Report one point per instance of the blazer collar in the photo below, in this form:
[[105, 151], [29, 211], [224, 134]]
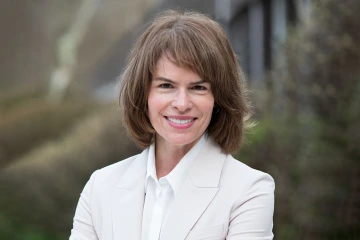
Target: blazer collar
[[196, 193], [136, 171], [206, 170]]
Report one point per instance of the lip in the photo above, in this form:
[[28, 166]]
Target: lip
[[181, 126]]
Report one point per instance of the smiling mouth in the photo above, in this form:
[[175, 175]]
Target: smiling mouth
[[180, 121]]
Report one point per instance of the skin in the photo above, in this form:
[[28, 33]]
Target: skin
[[180, 106]]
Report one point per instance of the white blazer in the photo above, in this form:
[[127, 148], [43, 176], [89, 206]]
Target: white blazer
[[221, 198]]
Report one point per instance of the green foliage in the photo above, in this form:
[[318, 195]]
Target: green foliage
[[12, 229], [254, 139], [315, 160]]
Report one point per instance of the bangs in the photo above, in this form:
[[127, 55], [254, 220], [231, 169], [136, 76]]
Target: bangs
[[185, 49]]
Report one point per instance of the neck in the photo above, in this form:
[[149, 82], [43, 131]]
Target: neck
[[167, 156]]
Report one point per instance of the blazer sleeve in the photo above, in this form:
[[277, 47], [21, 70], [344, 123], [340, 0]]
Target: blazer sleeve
[[83, 228], [252, 214]]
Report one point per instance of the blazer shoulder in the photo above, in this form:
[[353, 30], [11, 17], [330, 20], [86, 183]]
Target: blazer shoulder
[[252, 205], [249, 178], [111, 174], [123, 164]]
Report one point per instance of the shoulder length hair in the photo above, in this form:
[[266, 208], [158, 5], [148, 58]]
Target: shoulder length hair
[[196, 42]]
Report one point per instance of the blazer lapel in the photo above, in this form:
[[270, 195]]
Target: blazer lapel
[[196, 193], [128, 201]]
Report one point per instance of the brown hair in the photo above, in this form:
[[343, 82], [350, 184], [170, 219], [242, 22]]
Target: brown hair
[[196, 42]]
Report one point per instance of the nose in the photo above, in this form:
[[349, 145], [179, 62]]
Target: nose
[[182, 101]]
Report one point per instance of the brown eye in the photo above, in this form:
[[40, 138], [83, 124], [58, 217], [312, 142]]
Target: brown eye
[[165, 85], [199, 88]]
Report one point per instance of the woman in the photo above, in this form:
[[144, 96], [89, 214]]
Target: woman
[[183, 99]]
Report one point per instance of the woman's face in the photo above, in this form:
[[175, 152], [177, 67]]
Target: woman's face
[[180, 104]]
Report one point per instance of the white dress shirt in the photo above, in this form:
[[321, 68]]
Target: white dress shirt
[[160, 194]]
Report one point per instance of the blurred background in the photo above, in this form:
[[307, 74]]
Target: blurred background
[[59, 119]]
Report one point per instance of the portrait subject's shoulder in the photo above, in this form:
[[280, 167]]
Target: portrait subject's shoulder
[[252, 208], [115, 167], [109, 176], [248, 178]]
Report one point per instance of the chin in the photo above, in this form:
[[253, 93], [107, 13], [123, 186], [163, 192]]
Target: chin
[[183, 140]]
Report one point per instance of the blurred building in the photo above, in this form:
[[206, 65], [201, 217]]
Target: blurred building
[[257, 28]]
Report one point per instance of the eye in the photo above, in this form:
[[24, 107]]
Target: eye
[[165, 85], [199, 88]]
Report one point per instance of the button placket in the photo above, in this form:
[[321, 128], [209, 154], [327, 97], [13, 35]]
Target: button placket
[[158, 212]]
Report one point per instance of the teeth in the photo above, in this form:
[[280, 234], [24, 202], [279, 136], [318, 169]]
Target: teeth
[[181, 122]]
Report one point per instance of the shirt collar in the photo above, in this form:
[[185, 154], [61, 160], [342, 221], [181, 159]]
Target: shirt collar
[[150, 170], [178, 174]]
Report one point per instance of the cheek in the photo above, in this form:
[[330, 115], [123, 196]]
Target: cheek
[[155, 105], [209, 106]]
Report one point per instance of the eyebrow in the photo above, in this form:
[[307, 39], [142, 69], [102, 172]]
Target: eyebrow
[[171, 81]]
